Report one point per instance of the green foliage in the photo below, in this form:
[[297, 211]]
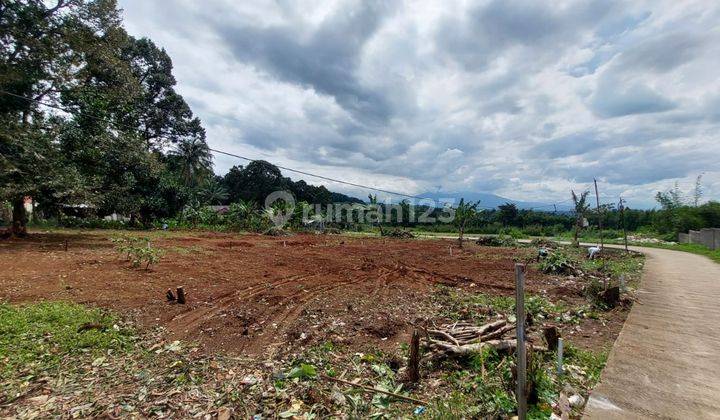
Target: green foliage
[[479, 306], [499, 240], [213, 193], [35, 338], [137, 250], [557, 262], [508, 214], [122, 112], [304, 371], [591, 362], [513, 233]]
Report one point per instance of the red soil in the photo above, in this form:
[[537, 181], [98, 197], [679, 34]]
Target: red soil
[[261, 295]]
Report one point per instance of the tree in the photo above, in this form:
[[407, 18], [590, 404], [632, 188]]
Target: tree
[[698, 192], [160, 114], [46, 57], [508, 214], [194, 160], [464, 213], [581, 207], [213, 193]]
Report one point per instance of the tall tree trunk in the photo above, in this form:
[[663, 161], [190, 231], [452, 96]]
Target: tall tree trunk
[[575, 236], [20, 218]]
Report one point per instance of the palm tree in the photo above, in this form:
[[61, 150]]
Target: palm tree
[[463, 214], [581, 207], [213, 193], [195, 160]]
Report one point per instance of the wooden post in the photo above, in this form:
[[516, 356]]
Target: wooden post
[[521, 361], [66, 245], [180, 295], [621, 207], [414, 360], [597, 199]]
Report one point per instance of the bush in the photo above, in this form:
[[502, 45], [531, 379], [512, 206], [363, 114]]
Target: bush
[[500, 240], [513, 232], [557, 262], [137, 250]]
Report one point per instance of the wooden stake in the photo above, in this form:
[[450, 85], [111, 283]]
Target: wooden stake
[[597, 199], [181, 295], [621, 207], [66, 245], [521, 361], [414, 360]]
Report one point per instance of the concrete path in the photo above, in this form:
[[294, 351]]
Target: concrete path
[[666, 361]]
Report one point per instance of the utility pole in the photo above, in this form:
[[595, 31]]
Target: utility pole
[[597, 199], [621, 207]]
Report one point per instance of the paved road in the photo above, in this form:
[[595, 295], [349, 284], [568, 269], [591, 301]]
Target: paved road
[[666, 361]]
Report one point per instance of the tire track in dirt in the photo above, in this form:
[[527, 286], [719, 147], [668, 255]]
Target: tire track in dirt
[[194, 317]]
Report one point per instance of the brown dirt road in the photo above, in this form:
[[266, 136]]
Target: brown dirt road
[[666, 361]]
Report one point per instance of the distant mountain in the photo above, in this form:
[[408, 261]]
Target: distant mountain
[[488, 200]]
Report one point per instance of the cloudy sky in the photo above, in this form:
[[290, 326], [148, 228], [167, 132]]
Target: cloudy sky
[[523, 99]]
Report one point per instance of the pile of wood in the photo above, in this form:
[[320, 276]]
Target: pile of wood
[[463, 338]]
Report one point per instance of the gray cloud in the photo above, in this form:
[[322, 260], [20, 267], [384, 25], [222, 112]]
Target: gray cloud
[[325, 60], [523, 98], [613, 100]]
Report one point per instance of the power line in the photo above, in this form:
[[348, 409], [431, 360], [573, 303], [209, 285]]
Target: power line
[[326, 178], [367, 187]]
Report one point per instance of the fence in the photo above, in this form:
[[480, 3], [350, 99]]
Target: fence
[[709, 237]]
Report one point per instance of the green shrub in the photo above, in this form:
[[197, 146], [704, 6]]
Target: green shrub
[[557, 262], [137, 250]]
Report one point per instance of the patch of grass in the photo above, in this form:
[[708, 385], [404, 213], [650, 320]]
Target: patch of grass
[[35, 338], [592, 363], [183, 250], [627, 266]]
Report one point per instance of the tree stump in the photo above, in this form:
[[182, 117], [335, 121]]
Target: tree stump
[[414, 359], [181, 295], [611, 296], [551, 334], [170, 295]]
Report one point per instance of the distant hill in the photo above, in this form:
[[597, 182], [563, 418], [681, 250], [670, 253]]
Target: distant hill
[[488, 200], [342, 198]]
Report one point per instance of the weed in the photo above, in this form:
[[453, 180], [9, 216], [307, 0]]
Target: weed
[[592, 363]]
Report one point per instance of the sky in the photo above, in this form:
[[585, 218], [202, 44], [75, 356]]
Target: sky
[[523, 99]]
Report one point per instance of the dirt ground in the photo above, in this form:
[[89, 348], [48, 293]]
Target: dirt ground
[[261, 296]]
